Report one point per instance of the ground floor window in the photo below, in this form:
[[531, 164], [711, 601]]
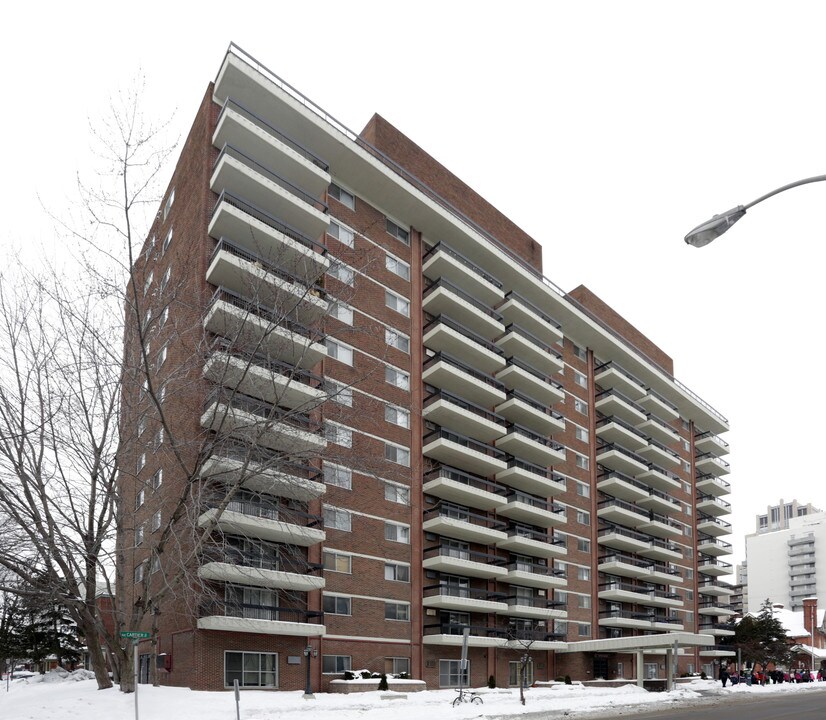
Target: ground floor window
[[251, 669], [515, 673], [620, 670], [651, 670], [450, 673], [397, 665], [335, 664]]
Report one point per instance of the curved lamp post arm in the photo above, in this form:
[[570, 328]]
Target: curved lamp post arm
[[704, 233]]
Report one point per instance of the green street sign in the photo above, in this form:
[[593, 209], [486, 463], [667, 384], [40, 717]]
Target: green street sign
[[135, 634]]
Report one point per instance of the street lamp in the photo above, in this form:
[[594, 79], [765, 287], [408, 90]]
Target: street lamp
[[309, 652], [704, 233]]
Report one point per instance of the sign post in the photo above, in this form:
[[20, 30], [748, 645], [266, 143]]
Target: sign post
[[135, 636]]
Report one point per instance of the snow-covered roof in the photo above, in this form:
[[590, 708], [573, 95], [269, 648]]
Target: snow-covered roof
[[792, 620]]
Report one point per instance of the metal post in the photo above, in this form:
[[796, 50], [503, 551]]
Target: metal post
[[813, 642], [135, 662], [310, 653]]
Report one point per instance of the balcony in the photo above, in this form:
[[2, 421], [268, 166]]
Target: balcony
[[233, 566], [662, 550], [715, 608], [714, 506], [238, 173], [444, 298], [451, 484], [657, 453], [274, 382], [451, 635], [625, 619], [537, 638], [459, 451], [658, 501], [265, 521], [624, 566], [621, 539], [445, 335], [624, 592], [717, 651], [612, 403], [260, 619], [711, 444], [612, 430], [658, 405], [519, 408], [459, 523], [526, 541], [713, 526], [524, 443], [716, 629], [710, 566], [622, 486], [712, 546], [713, 587], [264, 473], [270, 237], [533, 511], [663, 574], [661, 526], [535, 575], [249, 274], [255, 137], [517, 310], [659, 478], [615, 457], [712, 465], [519, 375], [658, 429], [463, 599], [269, 332], [621, 513], [663, 598], [710, 485], [611, 376], [450, 374], [531, 478], [536, 608], [445, 409], [260, 423], [518, 342], [442, 261], [462, 562], [670, 623]]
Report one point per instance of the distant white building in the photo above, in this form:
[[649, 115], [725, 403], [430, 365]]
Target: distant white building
[[778, 517], [784, 565]]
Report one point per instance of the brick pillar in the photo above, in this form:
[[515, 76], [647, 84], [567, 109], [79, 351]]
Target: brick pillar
[[809, 615]]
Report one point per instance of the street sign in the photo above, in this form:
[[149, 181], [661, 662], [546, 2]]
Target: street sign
[[135, 634]]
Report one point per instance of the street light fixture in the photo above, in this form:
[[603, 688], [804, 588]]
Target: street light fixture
[[309, 652], [710, 230]]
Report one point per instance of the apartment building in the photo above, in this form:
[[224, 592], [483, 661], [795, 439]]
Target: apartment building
[[364, 425], [777, 517]]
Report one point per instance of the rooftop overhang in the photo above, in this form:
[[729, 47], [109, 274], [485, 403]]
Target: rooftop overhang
[[368, 175], [641, 642]]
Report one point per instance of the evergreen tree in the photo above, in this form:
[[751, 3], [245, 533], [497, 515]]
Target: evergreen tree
[[763, 638]]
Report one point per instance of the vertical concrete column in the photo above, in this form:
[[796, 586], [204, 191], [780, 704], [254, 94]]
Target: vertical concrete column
[[640, 669], [669, 659]]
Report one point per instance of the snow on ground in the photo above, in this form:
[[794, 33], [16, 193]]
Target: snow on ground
[[64, 697]]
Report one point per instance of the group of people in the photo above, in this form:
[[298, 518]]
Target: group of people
[[757, 675]]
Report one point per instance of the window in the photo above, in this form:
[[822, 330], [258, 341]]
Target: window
[[336, 519], [338, 434], [345, 198], [138, 535], [689, 594], [344, 235], [340, 393], [157, 479], [397, 454], [168, 204], [580, 406], [139, 500], [397, 494], [397, 665], [584, 629], [341, 272], [397, 572], [582, 461], [397, 267], [583, 545], [397, 302], [451, 673], [165, 279], [338, 562], [581, 353], [397, 611], [150, 246], [580, 379], [581, 434], [139, 573], [141, 426], [148, 282], [396, 339], [335, 664], [141, 461], [398, 232], [583, 517], [338, 475], [162, 356], [583, 573], [251, 669], [167, 241], [337, 605], [515, 674], [155, 565], [162, 393], [397, 416], [156, 521], [163, 318], [339, 351], [583, 601], [158, 441], [686, 445], [583, 489], [396, 533], [399, 378], [342, 313]]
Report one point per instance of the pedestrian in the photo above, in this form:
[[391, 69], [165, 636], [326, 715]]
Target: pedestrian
[[723, 674]]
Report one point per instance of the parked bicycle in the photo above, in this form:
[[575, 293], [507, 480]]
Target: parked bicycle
[[467, 696]]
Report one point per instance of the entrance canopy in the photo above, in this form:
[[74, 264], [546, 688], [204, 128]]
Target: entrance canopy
[[640, 642]]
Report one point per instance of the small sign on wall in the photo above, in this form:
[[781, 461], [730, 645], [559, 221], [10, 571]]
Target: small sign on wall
[[293, 659]]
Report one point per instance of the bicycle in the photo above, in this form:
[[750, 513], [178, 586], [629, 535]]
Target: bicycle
[[467, 696]]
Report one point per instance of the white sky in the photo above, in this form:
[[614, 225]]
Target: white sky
[[605, 129]]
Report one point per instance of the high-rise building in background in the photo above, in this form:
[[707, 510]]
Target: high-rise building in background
[[778, 516], [369, 425]]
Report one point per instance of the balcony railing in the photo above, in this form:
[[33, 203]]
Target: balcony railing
[[536, 602], [536, 470], [606, 447], [538, 535], [458, 512], [469, 264], [273, 462], [613, 419], [614, 393], [460, 476], [460, 591], [530, 337], [533, 501], [538, 406], [269, 558], [467, 297], [459, 365], [269, 511], [513, 295], [623, 505], [447, 321], [531, 370], [305, 377], [464, 441], [459, 628], [535, 437], [462, 404], [535, 569], [259, 612], [266, 411], [467, 555]]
